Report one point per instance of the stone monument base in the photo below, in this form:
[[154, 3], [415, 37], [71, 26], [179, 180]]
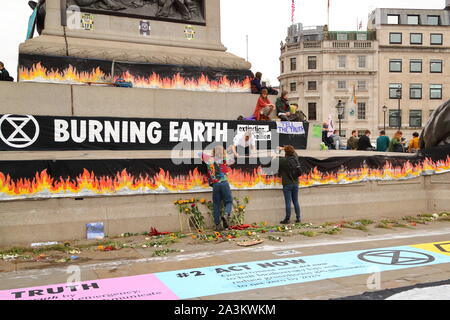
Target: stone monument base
[[131, 52]]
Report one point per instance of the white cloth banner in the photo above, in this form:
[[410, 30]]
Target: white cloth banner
[[287, 127]]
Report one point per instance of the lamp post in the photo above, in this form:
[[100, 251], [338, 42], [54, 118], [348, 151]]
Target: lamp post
[[399, 97], [384, 121], [340, 109]]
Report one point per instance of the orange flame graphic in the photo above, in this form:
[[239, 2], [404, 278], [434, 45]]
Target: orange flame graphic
[[203, 83], [123, 183], [38, 73]]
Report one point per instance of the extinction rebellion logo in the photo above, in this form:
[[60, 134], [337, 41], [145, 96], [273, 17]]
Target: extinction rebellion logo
[[18, 131]]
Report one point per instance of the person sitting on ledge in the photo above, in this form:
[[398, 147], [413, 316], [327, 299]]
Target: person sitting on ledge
[[396, 144], [256, 86], [364, 142], [328, 141], [256, 83], [263, 107], [383, 141], [352, 142], [4, 74], [284, 109], [414, 145]]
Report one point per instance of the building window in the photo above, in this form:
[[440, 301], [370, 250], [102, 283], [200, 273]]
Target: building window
[[342, 37], [393, 87], [393, 19], [436, 38], [361, 111], [342, 84], [312, 85], [293, 86], [415, 118], [431, 113], [361, 61], [361, 36], [312, 63], [415, 91], [395, 118], [282, 66], [413, 20], [415, 65], [312, 111], [415, 38], [395, 65], [395, 38], [342, 61], [433, 20], [293, 64], [362, 85], [436, 91], [436, 66]]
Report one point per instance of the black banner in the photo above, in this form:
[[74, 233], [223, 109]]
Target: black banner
[[45, 133], [58, 69], [118, 177]]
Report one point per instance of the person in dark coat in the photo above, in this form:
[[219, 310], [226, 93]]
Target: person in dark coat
[[4, 74], [364, 142]]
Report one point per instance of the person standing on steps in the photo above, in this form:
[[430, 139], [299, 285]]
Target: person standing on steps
[[290, 171]]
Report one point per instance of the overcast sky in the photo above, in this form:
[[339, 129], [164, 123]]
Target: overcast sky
[[264, 21]]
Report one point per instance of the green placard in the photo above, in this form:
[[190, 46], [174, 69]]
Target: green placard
[[317, 131]]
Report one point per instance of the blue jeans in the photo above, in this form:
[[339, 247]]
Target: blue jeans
[[291, 194], [221, 192]]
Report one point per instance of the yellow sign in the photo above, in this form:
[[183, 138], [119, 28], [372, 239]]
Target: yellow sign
[[87, 21], [436, 247], [189, 32]]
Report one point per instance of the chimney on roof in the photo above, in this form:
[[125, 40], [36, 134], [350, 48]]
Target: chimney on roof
[[447, 4]]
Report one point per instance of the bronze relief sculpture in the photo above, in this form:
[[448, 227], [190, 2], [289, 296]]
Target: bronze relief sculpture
[[191, 11]]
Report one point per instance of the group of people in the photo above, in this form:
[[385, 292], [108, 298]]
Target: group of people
[[265, 110], [4, 74], [397, 144], [218, 166]]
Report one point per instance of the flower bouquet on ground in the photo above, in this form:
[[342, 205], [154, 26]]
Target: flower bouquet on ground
[[192, 211], [238, 214]]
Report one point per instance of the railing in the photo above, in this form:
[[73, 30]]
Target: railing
[[362, 44], [312, 44], [338, 44], [341, 44]]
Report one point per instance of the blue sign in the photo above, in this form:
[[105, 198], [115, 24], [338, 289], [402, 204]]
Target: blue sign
[[193, 283]]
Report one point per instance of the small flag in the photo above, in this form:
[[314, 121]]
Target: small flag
[[293, 11], [354, 94]]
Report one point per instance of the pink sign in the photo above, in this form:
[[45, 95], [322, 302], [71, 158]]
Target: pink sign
[[144, 287]]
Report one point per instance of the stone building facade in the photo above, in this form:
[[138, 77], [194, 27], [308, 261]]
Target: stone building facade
[[402, 48]]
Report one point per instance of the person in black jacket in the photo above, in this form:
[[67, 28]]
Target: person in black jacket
[[364, 142], [4, 74], [290, 183]]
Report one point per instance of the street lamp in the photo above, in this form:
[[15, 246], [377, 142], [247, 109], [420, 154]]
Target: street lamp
[[399, 97], [340, 109], [384, 121]]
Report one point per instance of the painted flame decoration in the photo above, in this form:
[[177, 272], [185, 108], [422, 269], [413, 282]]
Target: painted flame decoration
[[70, 75], [88, 184], [203, 83], [39, 73]]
